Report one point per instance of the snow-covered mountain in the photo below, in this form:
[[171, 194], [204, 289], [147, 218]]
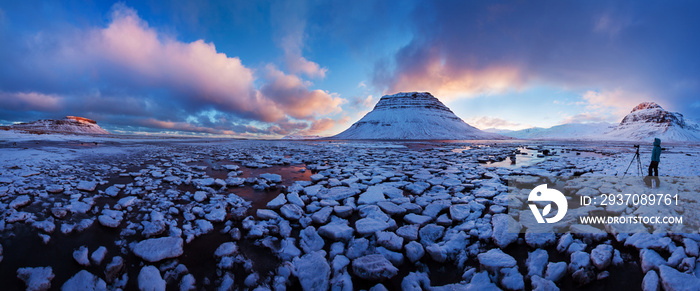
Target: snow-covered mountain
[[413, 116], [569, 131], [645, 122], [648, 120], [70, 124]]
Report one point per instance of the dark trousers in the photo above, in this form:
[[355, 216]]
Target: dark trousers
[[654, 166]]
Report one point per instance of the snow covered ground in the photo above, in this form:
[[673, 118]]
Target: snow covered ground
[[138, 212]]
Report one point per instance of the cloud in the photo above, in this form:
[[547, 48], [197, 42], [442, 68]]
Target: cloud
[[486, 122], [467, 49], [128, 71], [617, 102], [292, 95], [30, 101], [289, 19]]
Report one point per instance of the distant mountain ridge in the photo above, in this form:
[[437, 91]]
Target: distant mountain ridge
[[70, 124], [646, 121], [413, 116]]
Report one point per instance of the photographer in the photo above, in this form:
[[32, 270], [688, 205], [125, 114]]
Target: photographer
[[655, 158]]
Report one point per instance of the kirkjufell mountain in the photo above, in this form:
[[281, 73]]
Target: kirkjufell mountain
[[648, 120], [70, 124], [413, 116]]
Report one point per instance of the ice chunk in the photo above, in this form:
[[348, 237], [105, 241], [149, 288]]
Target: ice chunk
[[226, 249], [98, 255], [503, 236], [36, 279], [291, 211], [337, 231], [373, 267], [672, 279], [84, 280], [601, 256], [156, 249], [414, 251], [555, 271], [413, 218], [88, 186], [81, 256], [651, 281], [274, 178], [536, 262], [367, 226], [313, 271], [150, 279], [310, 240], [496, 259]]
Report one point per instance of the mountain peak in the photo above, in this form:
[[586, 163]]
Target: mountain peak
[[413, 116], [646, 105]]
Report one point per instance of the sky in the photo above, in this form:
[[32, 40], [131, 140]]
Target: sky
[[267, 69]]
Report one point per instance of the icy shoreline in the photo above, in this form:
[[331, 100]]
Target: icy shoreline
[[287, 214]]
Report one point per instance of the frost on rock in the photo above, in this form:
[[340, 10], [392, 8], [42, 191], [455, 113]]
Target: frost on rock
[[313, 271], [373, 267], [156, 249], [84, 280], [36, 279]]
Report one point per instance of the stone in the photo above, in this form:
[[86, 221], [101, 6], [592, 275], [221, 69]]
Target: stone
[[414, 251]]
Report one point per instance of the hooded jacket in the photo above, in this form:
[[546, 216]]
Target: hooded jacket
[[656, 153]]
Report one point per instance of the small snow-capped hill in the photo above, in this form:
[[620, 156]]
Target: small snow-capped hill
[[413, 116], [648, 120], [301, 137], [569, 131], [70, 124]]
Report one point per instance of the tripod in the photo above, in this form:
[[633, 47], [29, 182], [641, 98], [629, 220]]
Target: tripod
[[639, 163]]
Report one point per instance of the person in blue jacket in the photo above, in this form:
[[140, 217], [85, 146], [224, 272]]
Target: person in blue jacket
[[655, 158]]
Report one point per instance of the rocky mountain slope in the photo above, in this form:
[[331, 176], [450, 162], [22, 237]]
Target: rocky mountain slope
[[649, 120], [413, 116], [70, 124]]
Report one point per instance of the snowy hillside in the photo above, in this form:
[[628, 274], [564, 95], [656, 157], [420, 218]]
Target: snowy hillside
[[645, 122], [416, 116], [565, 131], [648, 120], [70, 124]]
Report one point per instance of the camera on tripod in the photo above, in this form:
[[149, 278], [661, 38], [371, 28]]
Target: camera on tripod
[[636, 146]]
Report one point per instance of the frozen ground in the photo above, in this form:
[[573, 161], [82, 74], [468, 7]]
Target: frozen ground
[[111, 212]]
